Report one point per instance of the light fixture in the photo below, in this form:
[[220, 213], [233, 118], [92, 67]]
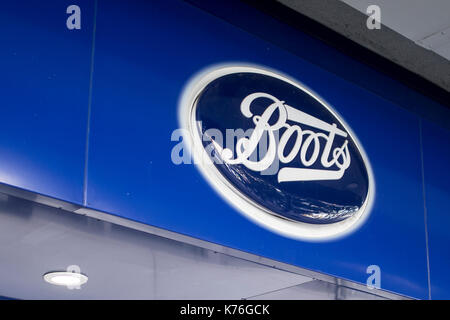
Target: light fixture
[[68, 279]]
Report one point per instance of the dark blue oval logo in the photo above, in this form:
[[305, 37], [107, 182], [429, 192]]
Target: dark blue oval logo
[[277, 152]]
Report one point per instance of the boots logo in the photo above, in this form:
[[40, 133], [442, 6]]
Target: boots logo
[[277, 152], [304, 140]]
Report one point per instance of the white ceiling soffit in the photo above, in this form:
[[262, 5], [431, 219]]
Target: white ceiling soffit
[[414, 33], [122, 263], [426, 22]]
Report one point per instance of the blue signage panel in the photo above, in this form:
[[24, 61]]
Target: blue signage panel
[[142, 66], [44, 84], [436, 154]]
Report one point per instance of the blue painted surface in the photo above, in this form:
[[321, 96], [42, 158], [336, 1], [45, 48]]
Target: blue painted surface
[[139, 75], [436, 154], [145, 54], [44, 86]]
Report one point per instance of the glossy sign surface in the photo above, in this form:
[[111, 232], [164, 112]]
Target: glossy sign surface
[[141, 68], [281, 149]]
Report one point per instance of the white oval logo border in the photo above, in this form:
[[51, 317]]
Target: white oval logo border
[[249, 208]]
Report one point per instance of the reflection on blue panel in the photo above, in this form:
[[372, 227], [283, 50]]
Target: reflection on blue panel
[[436, 154], [44, 87], [141, 66]]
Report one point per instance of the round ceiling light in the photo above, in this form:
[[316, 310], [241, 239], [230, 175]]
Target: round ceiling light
[[68, 279]]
